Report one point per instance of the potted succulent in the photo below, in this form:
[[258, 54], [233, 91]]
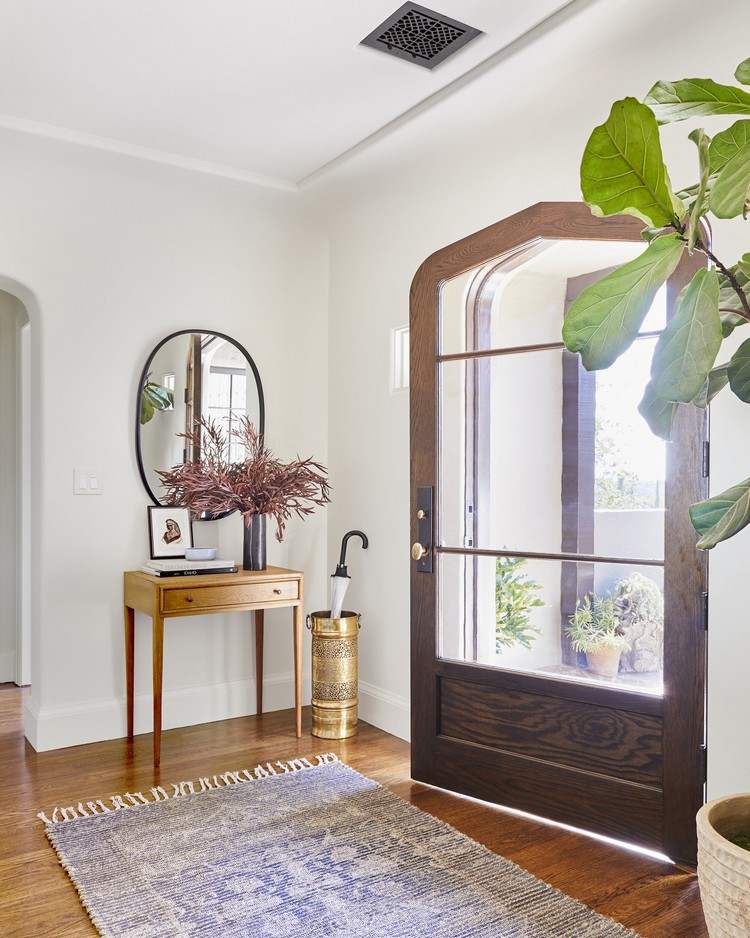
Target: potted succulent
[[594, 630], [257, 486]]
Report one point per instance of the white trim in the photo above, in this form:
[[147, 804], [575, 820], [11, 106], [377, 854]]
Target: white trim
[[94, 141], [95, 720], [53, 132], [387, 711], [23, 479]]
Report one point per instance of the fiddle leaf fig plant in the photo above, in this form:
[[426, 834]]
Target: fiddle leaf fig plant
[[623, 172]]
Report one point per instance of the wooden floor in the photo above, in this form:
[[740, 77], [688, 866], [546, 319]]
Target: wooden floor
[[37, 899]]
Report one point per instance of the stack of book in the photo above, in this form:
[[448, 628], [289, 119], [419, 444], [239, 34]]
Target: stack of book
[[181, 567]]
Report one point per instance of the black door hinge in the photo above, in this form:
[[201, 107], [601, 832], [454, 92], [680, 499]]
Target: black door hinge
[[706, 458], [704, 763], [704, 598]]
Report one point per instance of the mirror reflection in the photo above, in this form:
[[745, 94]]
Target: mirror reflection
[[191, 376]]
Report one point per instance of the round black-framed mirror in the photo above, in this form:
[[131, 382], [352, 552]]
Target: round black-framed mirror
[[190, 374]]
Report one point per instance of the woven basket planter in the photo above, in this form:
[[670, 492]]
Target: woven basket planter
[[723, 868]]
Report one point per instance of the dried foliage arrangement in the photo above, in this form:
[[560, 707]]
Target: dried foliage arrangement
[[258, 485]]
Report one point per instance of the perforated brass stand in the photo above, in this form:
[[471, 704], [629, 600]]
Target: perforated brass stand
[[334, 674]]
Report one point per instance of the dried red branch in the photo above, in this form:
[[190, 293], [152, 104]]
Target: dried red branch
[[258, 485]]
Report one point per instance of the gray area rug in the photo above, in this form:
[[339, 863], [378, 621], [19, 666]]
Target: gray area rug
[[298, 849]]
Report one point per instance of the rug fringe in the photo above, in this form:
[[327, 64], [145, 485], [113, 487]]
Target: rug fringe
[[62, 815]]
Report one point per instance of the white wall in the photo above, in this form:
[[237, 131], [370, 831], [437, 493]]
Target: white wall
[[11, 317], [110, 255], [511, 138]]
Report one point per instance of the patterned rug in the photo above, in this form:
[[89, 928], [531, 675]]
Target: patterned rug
[[298, 849]]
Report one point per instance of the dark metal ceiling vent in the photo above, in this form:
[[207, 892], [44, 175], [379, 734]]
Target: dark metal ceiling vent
[[420, 35]]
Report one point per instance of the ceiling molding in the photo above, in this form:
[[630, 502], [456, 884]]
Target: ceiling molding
[[167, 158], [541, 28], [164, 157]]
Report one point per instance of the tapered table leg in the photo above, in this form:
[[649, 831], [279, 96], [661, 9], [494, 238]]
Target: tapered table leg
[[298, 667], [158, 668], [129, 665], [259, 617]]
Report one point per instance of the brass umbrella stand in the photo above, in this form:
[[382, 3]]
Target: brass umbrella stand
[[335, 655]]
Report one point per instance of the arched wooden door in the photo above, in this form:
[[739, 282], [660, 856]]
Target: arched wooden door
[[535, 493]]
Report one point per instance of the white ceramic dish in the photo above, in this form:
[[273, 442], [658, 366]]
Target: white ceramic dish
[[200, 553]]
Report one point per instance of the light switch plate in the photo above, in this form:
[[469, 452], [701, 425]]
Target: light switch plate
[[87, 481]]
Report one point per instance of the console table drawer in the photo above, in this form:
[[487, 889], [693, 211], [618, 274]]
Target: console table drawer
[[207, 597]]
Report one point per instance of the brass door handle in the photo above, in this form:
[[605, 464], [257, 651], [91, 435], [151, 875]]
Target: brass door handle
[[418, 551]]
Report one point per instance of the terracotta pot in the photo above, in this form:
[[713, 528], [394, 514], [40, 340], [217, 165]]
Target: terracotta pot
[[723, 868], [604, 661]]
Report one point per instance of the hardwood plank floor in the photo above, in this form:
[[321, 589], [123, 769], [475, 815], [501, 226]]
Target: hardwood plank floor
[[37, 899]]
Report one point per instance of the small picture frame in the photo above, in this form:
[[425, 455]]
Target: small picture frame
[[170, 531]]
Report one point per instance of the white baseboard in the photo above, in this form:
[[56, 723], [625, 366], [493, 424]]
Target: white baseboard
[[387, 711], [7, 667], [96, 720], [92, 721]]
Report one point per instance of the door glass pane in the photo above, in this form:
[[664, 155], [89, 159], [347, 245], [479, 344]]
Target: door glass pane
[[520, 300], [592, 622], [536, 454]]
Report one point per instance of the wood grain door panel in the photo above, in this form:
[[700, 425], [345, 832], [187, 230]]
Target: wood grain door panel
[[590, 737], [610, 760], [610, 806]]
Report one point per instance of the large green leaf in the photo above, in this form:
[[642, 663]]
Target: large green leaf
[[701, 139], [727, 143], [657, 413], [605, 318], [742, 73], [688, 347], [695, 97], [739, 372], [717, 379], [730, 193], [623, 172], [147, 410], [722, 516]]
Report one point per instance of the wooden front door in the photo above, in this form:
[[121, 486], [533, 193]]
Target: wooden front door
[[537, 491]]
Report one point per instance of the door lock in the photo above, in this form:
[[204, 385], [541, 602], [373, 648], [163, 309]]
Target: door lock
[[418, 551], [421, 550]]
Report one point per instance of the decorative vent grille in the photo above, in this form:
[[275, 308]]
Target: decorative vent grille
[[420, 35]]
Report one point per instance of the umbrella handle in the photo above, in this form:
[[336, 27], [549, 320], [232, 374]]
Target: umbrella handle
[[345, 540]]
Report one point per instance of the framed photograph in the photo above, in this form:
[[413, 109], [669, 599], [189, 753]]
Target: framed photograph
[[170, 531]]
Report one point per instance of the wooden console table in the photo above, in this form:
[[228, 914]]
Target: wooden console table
[[246, 591]]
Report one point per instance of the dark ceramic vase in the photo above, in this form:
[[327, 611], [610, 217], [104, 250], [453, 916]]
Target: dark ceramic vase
[[254, 544]]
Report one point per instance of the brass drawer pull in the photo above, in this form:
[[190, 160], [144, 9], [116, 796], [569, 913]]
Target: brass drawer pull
[[277, 592], [188, 599]]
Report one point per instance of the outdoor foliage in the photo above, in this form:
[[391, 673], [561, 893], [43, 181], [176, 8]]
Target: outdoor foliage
[[616, 485], [623, 172], [515, 596], [595, 624]]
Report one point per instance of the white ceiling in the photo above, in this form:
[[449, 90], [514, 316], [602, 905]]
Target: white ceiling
[[269, 92]]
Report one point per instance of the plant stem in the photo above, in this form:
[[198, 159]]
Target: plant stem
[[735, 284], [731, 278]]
